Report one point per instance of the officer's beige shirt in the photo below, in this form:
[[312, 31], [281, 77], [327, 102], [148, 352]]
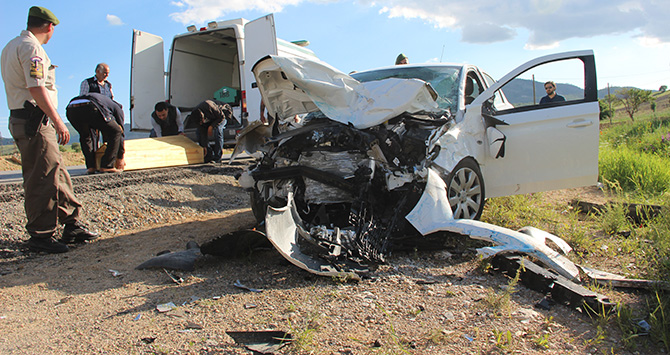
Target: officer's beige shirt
[[25, 64]]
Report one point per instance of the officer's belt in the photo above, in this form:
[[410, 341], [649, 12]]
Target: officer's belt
[[19, 113]]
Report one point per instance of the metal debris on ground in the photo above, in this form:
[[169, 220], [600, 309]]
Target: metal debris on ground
[[191, 300], [609, 279], [561, 289], [238, 284], [115, 273], [264, 342], [176, 279], [166, 307], [545, 304], [191, 325], [644, 327]]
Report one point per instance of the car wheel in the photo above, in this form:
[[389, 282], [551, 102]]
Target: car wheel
[[465, 190]]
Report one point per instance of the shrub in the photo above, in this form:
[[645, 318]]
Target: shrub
[[646, 174]]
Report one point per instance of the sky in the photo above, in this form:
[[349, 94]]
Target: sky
[[631, 39]]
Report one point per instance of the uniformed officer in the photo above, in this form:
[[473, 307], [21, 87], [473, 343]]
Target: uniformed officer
[[37, 129]]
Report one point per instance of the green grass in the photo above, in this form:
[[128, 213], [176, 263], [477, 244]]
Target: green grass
[[632, 171]]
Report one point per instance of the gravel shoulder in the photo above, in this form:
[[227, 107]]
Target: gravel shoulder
[[92, 300]]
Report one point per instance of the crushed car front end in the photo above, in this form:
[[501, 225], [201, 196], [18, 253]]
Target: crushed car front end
[[350, 177]]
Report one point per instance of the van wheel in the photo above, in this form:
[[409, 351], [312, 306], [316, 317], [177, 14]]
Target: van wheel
[[465, 190]]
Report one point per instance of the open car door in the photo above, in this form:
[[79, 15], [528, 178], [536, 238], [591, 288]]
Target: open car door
[[147, 78], [547, 147]]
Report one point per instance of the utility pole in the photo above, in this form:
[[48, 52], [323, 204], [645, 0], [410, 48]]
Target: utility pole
[[609, 102], [534, 101]]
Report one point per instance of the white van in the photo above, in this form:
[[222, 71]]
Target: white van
[[212, 62]]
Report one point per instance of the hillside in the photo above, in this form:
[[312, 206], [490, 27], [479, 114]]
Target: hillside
[[74, 135], [521, 91]]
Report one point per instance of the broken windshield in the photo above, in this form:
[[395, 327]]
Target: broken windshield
[[444, 79]]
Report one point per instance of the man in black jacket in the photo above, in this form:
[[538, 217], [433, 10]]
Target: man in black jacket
[[215, 114], [166, 120], [97, 111], [98, 83]]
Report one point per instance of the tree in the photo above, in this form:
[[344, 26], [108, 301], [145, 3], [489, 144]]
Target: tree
[[605, 110], [632, 98], [663, 88]]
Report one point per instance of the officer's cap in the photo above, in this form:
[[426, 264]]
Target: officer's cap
[[43, 13]]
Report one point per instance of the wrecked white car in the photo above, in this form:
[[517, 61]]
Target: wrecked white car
[[355, 165]]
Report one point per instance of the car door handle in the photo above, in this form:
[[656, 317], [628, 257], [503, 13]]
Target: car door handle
[[578, 124]]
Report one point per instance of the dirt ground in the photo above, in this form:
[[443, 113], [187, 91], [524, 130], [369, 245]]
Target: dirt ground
[[93, 300], [13, 162]]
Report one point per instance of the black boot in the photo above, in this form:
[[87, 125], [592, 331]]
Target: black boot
[[47, 245], [77, 233]]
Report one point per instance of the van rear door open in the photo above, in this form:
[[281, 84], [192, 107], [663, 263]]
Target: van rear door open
[[260, 40], [147, 78]]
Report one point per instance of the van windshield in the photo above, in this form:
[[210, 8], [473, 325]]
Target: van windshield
[[444, 79]]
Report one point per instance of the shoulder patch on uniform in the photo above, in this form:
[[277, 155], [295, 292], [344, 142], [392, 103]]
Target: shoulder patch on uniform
[[36, 68]]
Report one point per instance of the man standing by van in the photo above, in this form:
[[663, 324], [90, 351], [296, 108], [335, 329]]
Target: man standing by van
[[215, 114], [37, 128], [98, 83], [166, 121]]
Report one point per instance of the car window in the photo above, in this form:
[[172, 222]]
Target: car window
[[444, 79], [499, 102], [473, 87], [528, 88]]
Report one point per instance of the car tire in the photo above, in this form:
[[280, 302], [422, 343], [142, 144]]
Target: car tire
[[465, 190]]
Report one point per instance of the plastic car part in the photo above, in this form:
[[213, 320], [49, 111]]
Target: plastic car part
[[465, 188], [284, 228], [506, 241], [180, 260]]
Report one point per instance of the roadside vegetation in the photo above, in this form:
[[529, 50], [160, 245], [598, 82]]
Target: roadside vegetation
[[634, 168]]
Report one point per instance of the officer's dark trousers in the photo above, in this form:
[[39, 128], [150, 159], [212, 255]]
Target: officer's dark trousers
[[83, 119], [49, 197]]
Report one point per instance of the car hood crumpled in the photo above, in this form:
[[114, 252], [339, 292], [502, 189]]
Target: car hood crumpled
[[292, 86]]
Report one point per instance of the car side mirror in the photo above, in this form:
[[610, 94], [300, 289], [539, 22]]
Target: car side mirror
[[489, 112], [487, 107], [496, 139]]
